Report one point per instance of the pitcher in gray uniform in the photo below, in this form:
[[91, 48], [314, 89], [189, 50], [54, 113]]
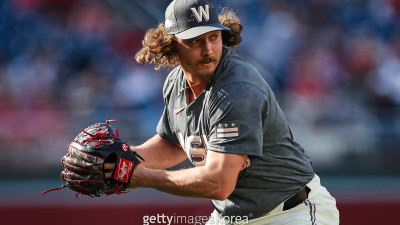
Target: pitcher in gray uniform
[[222, 115]]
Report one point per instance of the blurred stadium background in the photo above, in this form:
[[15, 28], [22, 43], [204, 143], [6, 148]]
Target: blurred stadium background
[[65, 64]]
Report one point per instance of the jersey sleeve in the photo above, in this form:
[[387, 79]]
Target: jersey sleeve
[[237, 114], [164, 125], [164, 130]]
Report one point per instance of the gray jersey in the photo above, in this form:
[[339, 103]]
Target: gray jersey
[[237, 113]]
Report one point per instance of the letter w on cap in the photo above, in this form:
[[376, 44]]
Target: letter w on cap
[[201, 12]]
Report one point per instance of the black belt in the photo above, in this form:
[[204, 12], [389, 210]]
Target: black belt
[[296, 199]]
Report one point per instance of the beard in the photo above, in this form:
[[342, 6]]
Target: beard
[[202, 70], [207, 76]]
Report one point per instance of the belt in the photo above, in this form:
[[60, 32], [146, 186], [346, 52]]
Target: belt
[[296, 199]]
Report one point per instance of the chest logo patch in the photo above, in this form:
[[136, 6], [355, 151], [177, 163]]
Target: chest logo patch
[[228, 129]]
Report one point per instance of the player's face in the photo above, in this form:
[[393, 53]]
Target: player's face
[[200, 56]]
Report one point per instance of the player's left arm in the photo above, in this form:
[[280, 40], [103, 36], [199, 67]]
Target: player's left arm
[[215, 180]]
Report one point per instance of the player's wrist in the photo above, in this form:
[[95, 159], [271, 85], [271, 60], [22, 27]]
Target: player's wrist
[[135, 181]]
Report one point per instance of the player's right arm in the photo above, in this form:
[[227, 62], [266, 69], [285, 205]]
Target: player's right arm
[[160, 154]]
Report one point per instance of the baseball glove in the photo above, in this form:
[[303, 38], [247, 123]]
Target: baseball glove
[[84, 163]]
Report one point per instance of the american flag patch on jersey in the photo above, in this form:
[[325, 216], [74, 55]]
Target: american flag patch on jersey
[[228, 129]]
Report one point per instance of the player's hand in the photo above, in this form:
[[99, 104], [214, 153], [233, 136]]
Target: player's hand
[[108, 169]]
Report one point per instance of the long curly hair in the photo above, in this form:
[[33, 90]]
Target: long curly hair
[[159, 47]]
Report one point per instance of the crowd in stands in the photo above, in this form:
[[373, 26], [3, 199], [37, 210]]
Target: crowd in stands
[[330, 62]]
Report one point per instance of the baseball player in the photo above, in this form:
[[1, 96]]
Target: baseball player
[[222, 115]]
